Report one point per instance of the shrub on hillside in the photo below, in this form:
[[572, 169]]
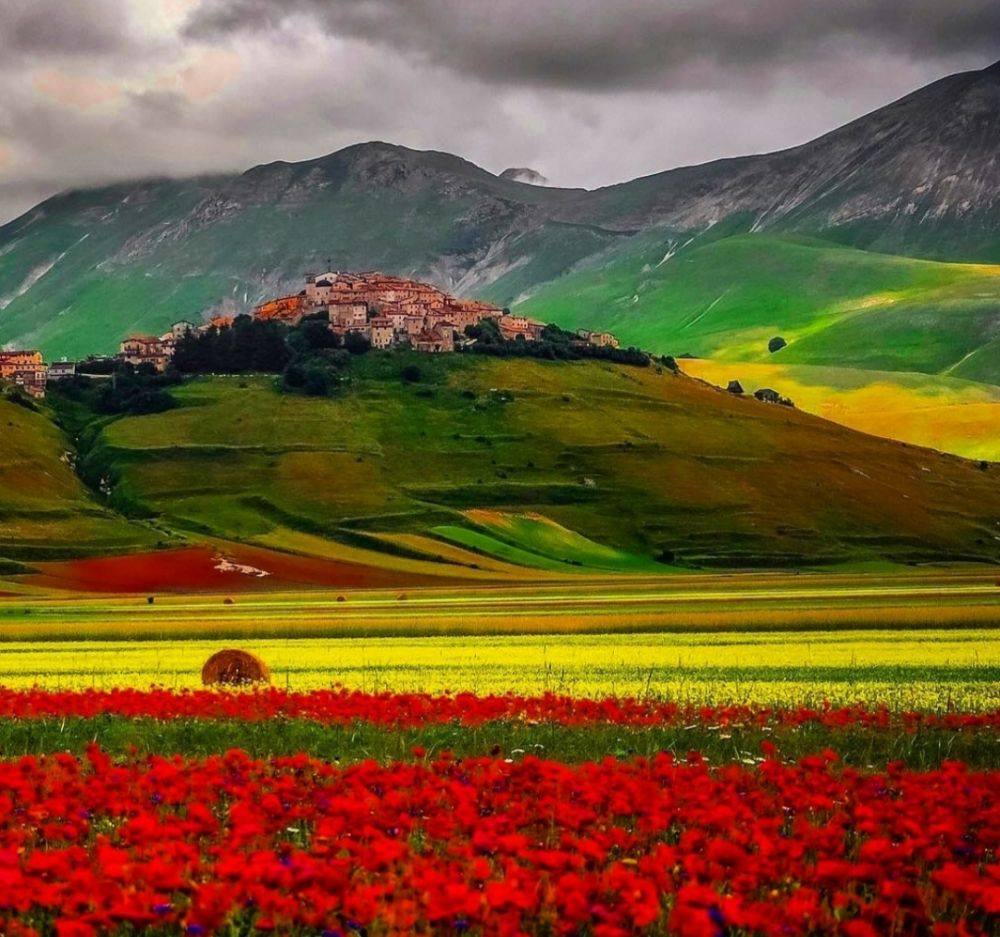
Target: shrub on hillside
[[356, 343], [136, 391], [17, 396], [411, 374]]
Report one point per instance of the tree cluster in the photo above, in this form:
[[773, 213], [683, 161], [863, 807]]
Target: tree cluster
[[555, 344], [310, 358], [248, 345], [319, 358], [136, 391]]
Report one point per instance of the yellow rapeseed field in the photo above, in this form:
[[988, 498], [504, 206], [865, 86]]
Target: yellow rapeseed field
[[929, 410], [925, 669]]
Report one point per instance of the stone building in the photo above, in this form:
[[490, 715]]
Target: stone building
[[138, 350], [435, 338], [62, 370], [513, 327], [383, 332], [24, 369], [600, 339]]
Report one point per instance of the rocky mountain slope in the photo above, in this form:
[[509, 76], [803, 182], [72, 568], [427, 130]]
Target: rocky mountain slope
[[919, 177]]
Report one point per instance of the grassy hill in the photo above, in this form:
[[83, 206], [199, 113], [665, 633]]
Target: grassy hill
[[556, 465], [835, 306], [45, 510]]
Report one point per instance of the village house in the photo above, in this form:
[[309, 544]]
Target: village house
[[287, 309], [138, 350], [348, 317], [465, 312], [62, 370], [24, 369], [598, 339], [435, 338], [176, 332], [383, 332], [179, 329], [512, 327]]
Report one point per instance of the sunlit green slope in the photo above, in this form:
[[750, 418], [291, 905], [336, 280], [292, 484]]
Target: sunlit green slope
[[833, 305]]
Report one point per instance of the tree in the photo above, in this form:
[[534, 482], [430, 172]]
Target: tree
[[356, 343], [317, 335]]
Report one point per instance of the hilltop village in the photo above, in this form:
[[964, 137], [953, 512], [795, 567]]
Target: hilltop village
[[386, 311]]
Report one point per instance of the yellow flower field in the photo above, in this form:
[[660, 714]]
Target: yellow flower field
[[924, 669]]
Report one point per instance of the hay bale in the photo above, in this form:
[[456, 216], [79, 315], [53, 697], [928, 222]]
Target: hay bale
[[232, 667]]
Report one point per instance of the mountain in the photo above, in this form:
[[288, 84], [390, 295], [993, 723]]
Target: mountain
[[918, 178], [560, 466]]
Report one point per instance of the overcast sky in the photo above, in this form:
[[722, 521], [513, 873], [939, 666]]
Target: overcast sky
[[587, 92]]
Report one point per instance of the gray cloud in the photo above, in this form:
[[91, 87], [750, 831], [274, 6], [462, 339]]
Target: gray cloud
[[57, 28], [596, 44], [588, 92]]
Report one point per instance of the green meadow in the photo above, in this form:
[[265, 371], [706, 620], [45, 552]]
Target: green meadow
[[834, 305], [45, 509]]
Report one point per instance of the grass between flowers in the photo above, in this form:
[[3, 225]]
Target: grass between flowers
[[860, 747], [347, 727]]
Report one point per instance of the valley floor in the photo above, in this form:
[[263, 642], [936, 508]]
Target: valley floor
[[923, 639]]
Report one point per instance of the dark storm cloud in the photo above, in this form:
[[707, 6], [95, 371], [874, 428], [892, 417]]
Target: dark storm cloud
[[618, 44], [57, 27], [588, 92]]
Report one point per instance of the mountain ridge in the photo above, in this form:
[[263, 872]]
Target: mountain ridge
[[917, 177]]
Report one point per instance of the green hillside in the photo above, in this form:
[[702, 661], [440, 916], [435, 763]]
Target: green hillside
[[45, 511], [833, 305], [600, 465]]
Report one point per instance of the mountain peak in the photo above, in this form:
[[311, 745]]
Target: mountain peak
[[525, 175]]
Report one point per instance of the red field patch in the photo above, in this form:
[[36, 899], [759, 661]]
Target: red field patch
[[237, 568]]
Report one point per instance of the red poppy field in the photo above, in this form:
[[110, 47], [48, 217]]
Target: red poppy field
[[134, 812], [236, 568]]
